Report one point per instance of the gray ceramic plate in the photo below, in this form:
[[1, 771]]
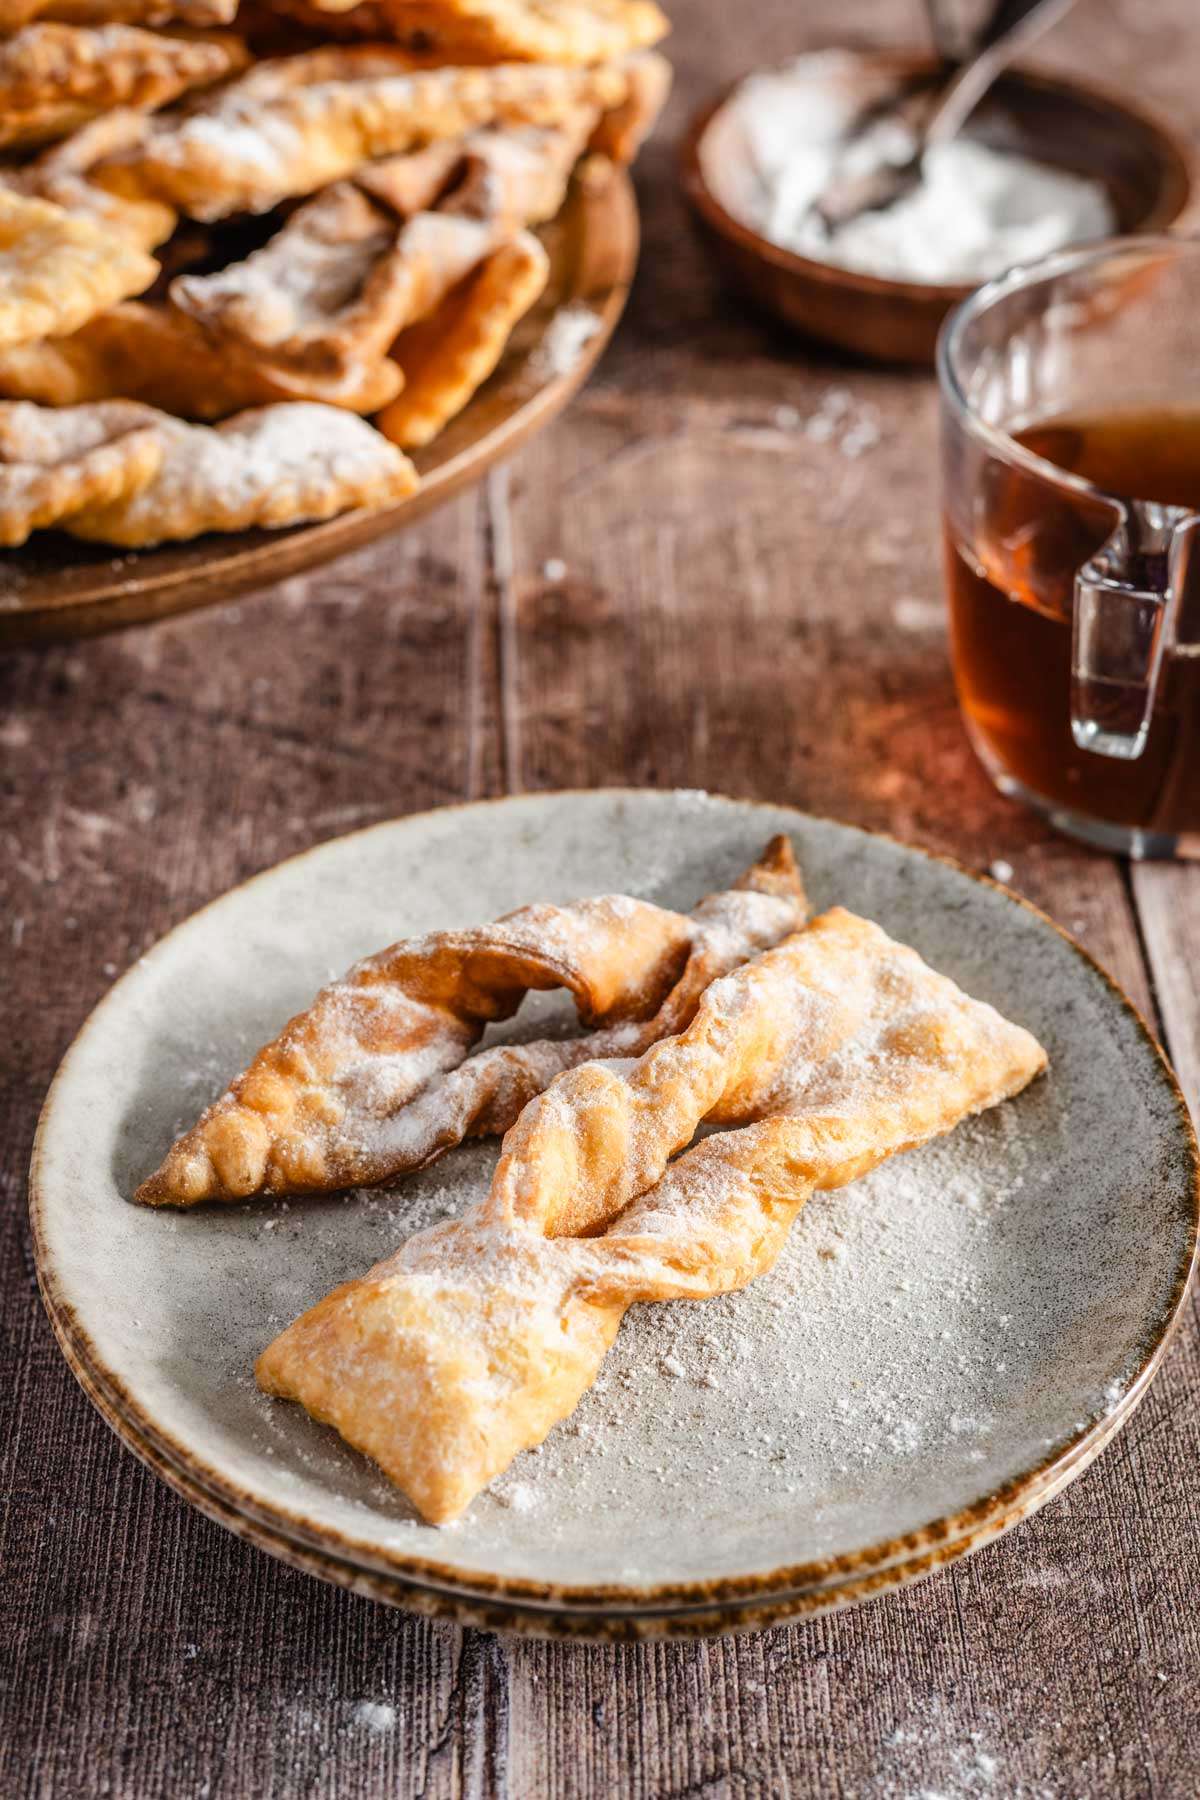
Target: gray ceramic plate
[[939, 1349]]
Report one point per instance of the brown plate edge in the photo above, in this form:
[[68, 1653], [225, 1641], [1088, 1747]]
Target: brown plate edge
[[589, 1621], [569, 1626]]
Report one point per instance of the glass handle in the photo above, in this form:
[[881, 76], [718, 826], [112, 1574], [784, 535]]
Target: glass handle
[[1123, 606]]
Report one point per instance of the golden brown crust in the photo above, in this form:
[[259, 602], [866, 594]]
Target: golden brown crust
[[511, 175], [62, 174], [55, 77], [831, 1052], [328, 295], [544, 31], [426, 178], [621, 131], [447, 357], [158, 355], [279, 465], [58, 269], [55, 464], [485, 1094], [291, 127], [312, 1110], [331, 291], [192, 13]]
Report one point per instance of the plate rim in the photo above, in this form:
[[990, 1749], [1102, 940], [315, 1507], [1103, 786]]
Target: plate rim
[[586, 1619], [489, 1613], [948, 1530]]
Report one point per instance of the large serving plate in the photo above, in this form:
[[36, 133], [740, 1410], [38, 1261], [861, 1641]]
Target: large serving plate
[[939, 1350], [54, 587]]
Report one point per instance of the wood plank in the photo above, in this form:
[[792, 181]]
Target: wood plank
[[748, 604], [1168, 901], [146, 1650], [757, 578]]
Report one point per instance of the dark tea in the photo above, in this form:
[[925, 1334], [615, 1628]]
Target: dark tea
[[1011, 598]]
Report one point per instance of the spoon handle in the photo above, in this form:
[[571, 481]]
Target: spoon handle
[[961, 29], [1010, 27]]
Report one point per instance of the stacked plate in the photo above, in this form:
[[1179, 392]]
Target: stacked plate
[[940, 1349]]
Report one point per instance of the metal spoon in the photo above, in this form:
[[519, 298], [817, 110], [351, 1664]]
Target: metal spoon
[[979, 56]]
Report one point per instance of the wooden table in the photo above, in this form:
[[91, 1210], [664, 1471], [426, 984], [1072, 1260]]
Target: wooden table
[[746, 605]]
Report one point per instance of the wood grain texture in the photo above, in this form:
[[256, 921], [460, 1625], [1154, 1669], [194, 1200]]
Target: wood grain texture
[[751, 602]]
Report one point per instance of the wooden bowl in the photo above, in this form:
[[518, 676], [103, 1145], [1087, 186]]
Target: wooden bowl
[[1072, 125]]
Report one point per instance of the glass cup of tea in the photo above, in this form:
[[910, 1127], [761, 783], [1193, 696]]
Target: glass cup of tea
[[1070, 397]]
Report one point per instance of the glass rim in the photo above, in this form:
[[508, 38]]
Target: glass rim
[[1000, 287]]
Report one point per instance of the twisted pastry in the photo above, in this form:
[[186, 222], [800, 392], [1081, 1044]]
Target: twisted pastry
[[832, 1051], [292, 126], [58, 270], [486, 1093], [327, 296], [312, 1110], [53, 464]]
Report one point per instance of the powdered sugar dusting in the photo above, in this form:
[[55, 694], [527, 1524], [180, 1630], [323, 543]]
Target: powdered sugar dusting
[[566, 338], [375, 1715], [876, 1339], [273, 465], [942, 1751]]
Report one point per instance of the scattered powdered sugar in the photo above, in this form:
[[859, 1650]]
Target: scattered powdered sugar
[[875, 1339], [901, 1353], [853, 426], [917, 616], [521, 1496], [404, 1210], [901, 1350], [884, 1336], [375, 1715], [939, 1754], [564, 341]]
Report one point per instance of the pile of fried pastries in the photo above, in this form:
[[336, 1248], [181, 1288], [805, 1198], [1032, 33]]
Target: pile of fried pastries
[[819, 1047], [231, 235]]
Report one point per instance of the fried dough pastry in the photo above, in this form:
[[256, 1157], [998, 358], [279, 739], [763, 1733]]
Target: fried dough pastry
[[829, 1053], [540, 31], [622, 130], [158, 355], [293, 126], [518, 175], [513, 176], [314, 313], [329, 294], [332, 289], [446, 358], [486, 1093], [57, 270], [279, 465], [311, 1111], [52, 464], [62, 175], [55, 77]]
